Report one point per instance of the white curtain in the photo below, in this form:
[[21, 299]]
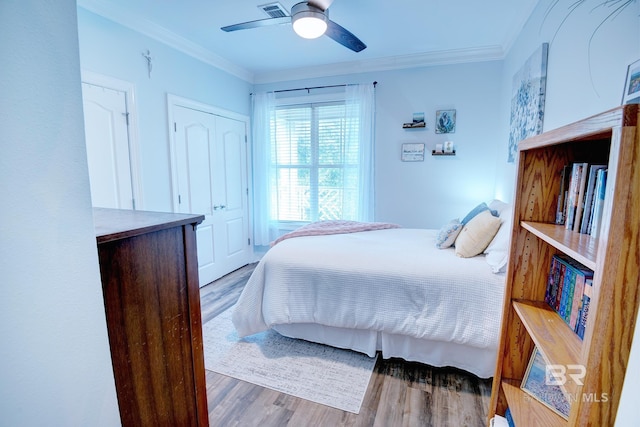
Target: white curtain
[[360, 113], [360, 103], [264, 107]]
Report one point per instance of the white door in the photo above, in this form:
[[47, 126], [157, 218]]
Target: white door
[[211, 169], [107, 140]]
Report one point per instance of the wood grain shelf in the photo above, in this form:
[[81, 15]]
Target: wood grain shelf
[[526, 410], [581, 247], [558, 344]]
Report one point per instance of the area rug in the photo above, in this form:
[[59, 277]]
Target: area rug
[[315, 372]]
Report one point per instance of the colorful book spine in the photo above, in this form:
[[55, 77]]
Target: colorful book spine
[[582, 185], [509, 418], [577, 301], [561, 210], [584, 312], [588, 198], [561, 281], [552, 283], [574, 193], [566, 290], [601, 183]]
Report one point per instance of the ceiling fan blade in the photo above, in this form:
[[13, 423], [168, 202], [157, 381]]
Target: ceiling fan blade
[[320, 4], [258, 23], [344, 37]]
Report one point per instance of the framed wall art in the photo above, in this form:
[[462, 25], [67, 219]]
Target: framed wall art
[[631, 94], [412, 152], [445, 121], [527, 99], [535, 384]]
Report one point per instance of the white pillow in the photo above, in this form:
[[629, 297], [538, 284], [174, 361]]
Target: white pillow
[[477, 234], [498, 206], [448, 233], [497, 253]]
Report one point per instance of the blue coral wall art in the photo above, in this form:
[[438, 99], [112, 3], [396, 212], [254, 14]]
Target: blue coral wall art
[[527, 102], [445, 121]]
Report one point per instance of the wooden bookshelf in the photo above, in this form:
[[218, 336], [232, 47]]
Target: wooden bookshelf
[[610, 138]]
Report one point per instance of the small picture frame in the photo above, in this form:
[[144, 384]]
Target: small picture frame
[[631, 94], [412, 152], [535, 384], [445, 121], [448, 147]]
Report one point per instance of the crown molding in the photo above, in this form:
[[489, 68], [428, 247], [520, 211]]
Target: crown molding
[[161, 34], [446, 57]]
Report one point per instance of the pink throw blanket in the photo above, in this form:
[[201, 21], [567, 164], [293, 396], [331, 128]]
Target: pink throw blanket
[[320, 228]]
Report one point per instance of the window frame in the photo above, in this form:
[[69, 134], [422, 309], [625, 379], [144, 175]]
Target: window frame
[[312, 101]]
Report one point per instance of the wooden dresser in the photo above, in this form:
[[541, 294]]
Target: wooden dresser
[[149, 271]]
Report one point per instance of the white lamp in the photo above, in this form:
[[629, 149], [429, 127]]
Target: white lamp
[[308, 21]]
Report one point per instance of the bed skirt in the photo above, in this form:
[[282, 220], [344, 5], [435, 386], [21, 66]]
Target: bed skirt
[[480, 362]]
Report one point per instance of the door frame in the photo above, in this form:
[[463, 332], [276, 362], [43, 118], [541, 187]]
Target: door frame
[[128, 88], [178, 101]]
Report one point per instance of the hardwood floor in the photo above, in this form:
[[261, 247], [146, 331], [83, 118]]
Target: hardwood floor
[[400, 393]]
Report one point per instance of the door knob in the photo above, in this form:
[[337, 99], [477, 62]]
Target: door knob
[[216, 207]]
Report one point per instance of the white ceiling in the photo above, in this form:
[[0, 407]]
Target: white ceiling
[[401, 33]]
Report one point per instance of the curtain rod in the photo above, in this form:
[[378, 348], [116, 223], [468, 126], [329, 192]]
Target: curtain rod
[[313, 87]]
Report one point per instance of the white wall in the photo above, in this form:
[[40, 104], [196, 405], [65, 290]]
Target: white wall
[[586, 67], [427, 194], [55, 365], [111, 49]]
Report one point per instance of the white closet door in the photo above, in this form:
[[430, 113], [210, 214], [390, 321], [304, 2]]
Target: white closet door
[[211, 176]]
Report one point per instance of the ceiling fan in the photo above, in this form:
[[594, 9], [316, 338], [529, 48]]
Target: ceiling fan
[[310, 19]]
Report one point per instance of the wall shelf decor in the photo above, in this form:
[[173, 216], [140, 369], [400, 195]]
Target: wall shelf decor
[[416, 123], [442, 153], [413, 125]]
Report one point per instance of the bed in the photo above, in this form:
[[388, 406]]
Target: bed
[[389, 290]]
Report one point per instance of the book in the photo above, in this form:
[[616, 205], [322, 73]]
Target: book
[[582, 185], [566, 287], [559, 286], [600, 190], [588, 198], [509, 418], [566, 292], [552, 283], [584, 312], [576, 305], [574, 194], [561, 210]]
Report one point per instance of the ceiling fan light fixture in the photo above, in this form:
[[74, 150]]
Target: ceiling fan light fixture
[[308, 21]]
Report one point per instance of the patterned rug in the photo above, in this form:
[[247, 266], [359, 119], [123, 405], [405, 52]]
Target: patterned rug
[[315, 372]]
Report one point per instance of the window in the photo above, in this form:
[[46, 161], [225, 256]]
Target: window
[[314, 163]]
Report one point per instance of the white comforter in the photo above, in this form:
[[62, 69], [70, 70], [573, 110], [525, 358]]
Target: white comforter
[[395, 281]]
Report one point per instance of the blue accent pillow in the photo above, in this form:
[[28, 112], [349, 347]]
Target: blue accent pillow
[[448, 234], [475, 211]]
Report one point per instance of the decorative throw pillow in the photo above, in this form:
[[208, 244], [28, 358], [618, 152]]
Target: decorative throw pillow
[[497, 253], [475, 211], [498, 206], [476, 234], [447, 234]]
